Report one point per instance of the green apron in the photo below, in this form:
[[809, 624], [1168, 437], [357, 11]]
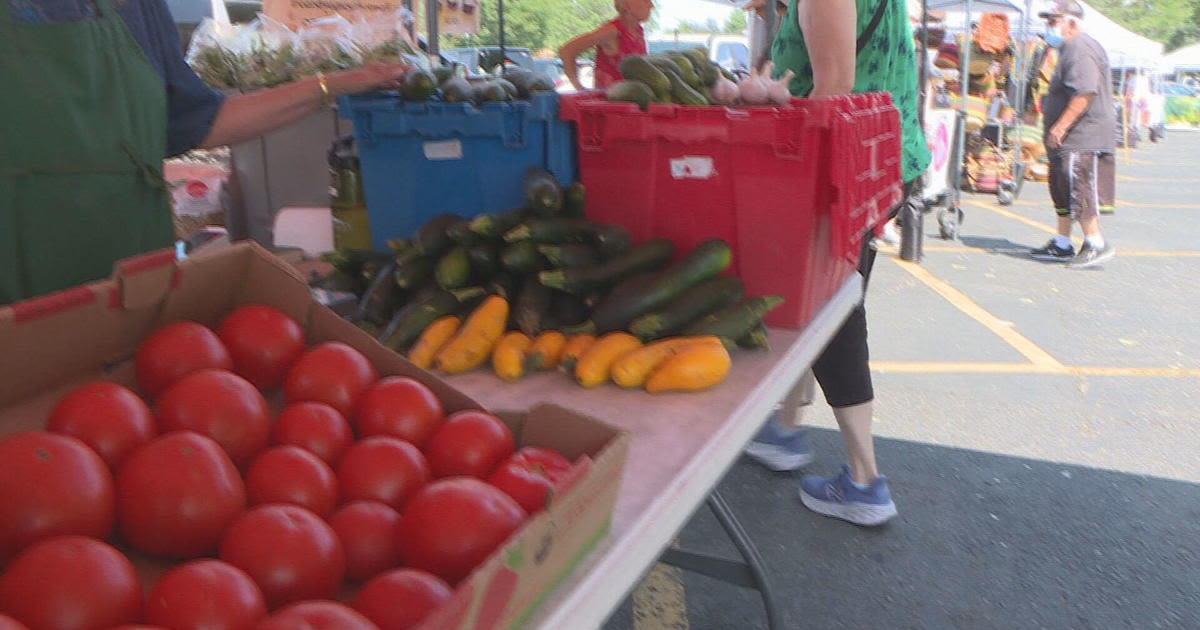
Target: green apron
[[83, 121]]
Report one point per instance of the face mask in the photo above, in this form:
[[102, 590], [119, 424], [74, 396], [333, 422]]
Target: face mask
[[1054, 36]]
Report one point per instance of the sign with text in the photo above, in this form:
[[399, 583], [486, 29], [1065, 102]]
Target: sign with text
[[293, 13], [458, 17]]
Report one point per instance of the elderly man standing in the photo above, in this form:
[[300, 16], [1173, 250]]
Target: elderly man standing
[[1080, 136]]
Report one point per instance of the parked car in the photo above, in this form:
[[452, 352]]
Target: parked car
[[731, 52], [1177, 89]]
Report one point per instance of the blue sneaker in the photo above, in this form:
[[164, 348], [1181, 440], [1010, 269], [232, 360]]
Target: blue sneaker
[[780, 449], [840, 498]]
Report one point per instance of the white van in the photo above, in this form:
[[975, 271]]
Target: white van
[[731, 52]]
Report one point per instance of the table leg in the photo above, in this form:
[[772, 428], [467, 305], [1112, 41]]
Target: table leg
[[750, 573]]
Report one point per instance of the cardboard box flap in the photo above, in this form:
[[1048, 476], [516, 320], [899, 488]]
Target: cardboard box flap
[[143, 281]]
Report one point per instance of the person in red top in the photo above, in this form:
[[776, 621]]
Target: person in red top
[[613, 41]]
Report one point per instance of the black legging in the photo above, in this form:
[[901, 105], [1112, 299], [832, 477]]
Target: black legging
[[843, 369]]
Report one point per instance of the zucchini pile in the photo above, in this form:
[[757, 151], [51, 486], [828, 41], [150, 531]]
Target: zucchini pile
[[450, 85], [686, 77], [534, 287]]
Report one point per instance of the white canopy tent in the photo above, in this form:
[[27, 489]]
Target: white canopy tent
[[1186, 59]]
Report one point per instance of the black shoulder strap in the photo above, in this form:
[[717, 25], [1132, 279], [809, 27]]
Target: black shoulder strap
[[870, 30]]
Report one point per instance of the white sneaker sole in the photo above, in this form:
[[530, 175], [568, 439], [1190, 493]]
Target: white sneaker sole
[[1099, 260], [778, 458], [857, 513], [1051, 258]]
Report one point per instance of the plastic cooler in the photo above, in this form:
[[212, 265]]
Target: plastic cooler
[[423, 159], [792, 189]]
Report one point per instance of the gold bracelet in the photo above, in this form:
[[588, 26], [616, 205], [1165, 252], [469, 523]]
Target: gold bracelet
[[326, 97]]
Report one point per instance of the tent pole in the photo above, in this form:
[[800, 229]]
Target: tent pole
[[964, 78], [503, 52], [431, 28]]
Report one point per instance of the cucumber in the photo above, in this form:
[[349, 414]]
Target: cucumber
[[409, 322], [567, 309], [683, 92], [454, 269], [414, 272], [495, 225], [640, 69], [485, 260], [532, 306], [631, 92], [687, 71], [665, 64], [623, 306], [648, 256], [543, 193], [381, 298], [756, 339], [734, 321], [570, 254], [574, 200], [522, 258], [432, 239], [692, 304]]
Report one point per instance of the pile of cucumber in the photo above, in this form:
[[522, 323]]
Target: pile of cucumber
[[451, 85], [679, 77], [558, 271]]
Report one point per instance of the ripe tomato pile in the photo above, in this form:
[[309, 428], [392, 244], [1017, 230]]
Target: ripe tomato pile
[[358, 479]]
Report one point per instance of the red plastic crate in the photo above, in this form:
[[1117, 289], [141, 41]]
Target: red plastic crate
[[791, 188]]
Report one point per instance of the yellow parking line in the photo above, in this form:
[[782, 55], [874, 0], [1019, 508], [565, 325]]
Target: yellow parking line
[[973, 310], [1158, 180], [969, 367], [1136, 253]]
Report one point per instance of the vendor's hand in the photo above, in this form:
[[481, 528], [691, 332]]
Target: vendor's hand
[[1054, 139], [368, 78]]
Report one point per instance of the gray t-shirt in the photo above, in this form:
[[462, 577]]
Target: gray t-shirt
[[1083, 69]]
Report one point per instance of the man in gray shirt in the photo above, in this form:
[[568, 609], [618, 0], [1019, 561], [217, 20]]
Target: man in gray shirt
[[1080, 137]]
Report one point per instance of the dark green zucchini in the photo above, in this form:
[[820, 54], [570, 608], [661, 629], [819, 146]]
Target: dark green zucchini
[[381, 298], [574, 200], [543, 193], [645, 257], [409, 322], [613, 240], [454, 269], [756, 339], [570, 254], [567, 309], [734, 321], [692, 304], [496, 225], [502, 284], [432, 238], [522, 258], [461, 233], [415, 272], [485, 260], [706, 261], [531, 307], [555, 230]]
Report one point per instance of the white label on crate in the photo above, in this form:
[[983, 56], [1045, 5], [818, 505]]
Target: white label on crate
[[444, 150], [693, 167]]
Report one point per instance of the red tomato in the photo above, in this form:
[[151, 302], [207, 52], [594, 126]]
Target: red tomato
[[177, 494], [263, 341], [290, 474], [399, 407], [318, 615], [107, 417], [289, 552], [401, 599], [452, 525], [332, 373], [471, 443], [8, 623], [174, 351], [382, 469], [71, 583], [222, 406], [370, 535], [51, 485], [529, 476], [315, 427], [205, 595]]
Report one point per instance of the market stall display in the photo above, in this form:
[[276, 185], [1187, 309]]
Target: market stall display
[[179, 494]]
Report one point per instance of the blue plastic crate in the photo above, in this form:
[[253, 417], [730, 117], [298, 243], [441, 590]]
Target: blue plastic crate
[[420, 160]]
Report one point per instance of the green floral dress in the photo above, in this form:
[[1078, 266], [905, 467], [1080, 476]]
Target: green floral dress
[[888, 63]]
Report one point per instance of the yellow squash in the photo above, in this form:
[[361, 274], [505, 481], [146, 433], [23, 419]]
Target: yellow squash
[[593, 367], [438, 334], [475, 340], [696, 368], [508, 359], [634, 368], [547, 350], [577, 346]]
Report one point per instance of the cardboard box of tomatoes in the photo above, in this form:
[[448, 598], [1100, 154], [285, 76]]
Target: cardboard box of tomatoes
[[52, 345]]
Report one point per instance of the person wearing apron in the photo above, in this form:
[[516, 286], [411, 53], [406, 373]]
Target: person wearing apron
[[88, 113]]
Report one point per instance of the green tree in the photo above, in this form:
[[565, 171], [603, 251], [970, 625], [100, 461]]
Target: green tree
[[690, 26], [1173, 22], [736, 24], [536, 24]]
